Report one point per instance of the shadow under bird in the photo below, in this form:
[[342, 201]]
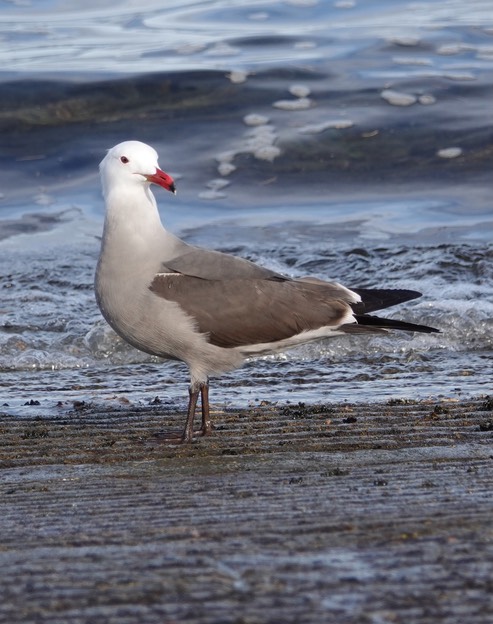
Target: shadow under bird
[[209, 309]]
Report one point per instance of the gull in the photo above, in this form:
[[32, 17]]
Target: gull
[[209, 309]]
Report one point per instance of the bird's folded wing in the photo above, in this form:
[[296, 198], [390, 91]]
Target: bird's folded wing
[[215, 265], [254, 311]]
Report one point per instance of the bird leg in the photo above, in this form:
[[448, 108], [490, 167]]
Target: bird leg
[[187, 436], [205, 429], [204, 398]]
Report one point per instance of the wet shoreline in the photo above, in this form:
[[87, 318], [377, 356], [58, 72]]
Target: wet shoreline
[[322, 427], [286, 512]]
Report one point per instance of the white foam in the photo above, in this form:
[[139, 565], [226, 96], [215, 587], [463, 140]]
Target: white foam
[[460, 76], [212, 194], [427, 99], [410, 60], [449, 152], [293, 105], [261, 143], [254, 119], [214, 189], [225, 162], [339, 124], [189, 48], [222, 48], [43, 199], [300, 91], [225, 168], [218, 183], [238, 76], [396, 98], [226, 157], [267, 152], [451, 49]]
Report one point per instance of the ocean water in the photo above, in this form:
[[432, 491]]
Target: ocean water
[[347, 140]]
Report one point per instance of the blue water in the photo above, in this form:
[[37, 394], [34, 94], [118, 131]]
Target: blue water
[[348, 140]]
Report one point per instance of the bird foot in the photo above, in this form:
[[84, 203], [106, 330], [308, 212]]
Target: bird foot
[[168, 437], [179, 437]]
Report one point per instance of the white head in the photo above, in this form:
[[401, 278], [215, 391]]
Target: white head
[[133, 163]]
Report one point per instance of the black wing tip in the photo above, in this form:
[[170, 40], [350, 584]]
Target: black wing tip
[[411, 294], [426, 329], [379, 298], [382, 323]]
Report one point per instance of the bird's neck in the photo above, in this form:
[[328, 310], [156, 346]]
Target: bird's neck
[[132, 216]]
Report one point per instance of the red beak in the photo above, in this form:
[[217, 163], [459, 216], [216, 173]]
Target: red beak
[[163, 179]]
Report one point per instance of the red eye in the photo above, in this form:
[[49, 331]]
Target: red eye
[[124, 160]]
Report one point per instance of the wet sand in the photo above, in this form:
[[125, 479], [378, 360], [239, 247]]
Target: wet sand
[[330, 513]]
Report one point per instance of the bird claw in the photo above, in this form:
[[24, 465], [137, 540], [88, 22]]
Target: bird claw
[[170, 437], [180, 437]]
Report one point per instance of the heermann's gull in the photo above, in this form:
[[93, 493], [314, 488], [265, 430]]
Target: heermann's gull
[[206, 308]]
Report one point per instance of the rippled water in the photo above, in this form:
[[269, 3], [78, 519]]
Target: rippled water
[[346, 140], [144, 35], [56, 347]]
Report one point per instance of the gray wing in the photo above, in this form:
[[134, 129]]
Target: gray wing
[[215, 265], [253, 311]]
